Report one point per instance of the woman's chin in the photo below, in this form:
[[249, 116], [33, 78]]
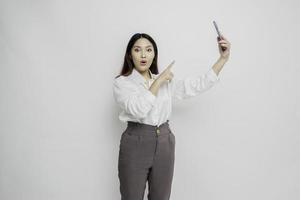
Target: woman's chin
[[143, 67]]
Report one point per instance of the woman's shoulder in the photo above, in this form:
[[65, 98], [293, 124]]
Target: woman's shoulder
[[119, 77], [122, 80]]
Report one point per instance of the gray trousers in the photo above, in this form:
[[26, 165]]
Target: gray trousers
[[146, 153]]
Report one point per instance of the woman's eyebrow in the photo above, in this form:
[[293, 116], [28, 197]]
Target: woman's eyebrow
[[140, 46]]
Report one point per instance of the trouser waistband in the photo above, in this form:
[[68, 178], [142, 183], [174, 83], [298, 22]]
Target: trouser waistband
[[136, 128]]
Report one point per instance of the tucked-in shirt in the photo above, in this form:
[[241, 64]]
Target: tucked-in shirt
[[139, 104]]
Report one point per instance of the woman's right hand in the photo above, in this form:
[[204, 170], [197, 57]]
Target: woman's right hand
[[166, 74]]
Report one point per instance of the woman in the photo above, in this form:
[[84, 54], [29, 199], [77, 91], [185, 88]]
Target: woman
[[147, 146]]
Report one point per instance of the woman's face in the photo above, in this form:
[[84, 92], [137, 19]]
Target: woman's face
[[142, 54]]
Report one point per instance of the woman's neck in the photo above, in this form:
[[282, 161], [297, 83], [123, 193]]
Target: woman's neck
[[146, 75]]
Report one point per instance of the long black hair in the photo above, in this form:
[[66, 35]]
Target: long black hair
[[128, 64]]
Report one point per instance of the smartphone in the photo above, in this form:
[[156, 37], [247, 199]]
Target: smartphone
[[219, 34]]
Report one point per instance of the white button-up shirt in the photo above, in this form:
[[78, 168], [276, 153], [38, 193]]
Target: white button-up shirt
[[139, 104]]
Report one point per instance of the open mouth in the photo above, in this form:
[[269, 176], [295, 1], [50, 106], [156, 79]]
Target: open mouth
[[143, 62]]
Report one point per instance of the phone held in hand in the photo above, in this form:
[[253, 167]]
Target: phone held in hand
[[219, 34]]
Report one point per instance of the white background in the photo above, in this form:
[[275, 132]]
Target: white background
[[59, 123]]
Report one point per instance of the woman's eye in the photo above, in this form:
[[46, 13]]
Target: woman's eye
[[136, 50]]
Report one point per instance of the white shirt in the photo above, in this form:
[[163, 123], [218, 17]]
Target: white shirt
[[139, 104]]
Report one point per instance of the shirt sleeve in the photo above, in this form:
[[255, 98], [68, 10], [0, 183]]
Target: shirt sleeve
[[194, 85], [133, 100]]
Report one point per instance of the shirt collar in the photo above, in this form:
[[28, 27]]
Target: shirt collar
[[136, 76]]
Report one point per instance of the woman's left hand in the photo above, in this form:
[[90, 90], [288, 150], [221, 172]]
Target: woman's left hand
[[224, 43]]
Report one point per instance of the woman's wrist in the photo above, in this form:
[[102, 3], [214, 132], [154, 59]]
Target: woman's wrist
[[223, 59]]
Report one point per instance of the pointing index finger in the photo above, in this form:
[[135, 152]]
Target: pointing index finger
[[171, 64]]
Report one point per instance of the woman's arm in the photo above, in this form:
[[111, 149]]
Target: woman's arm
[[155, 86], [131, 99], [217, 67], [194, 85], [162, 78], [224, 55]]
